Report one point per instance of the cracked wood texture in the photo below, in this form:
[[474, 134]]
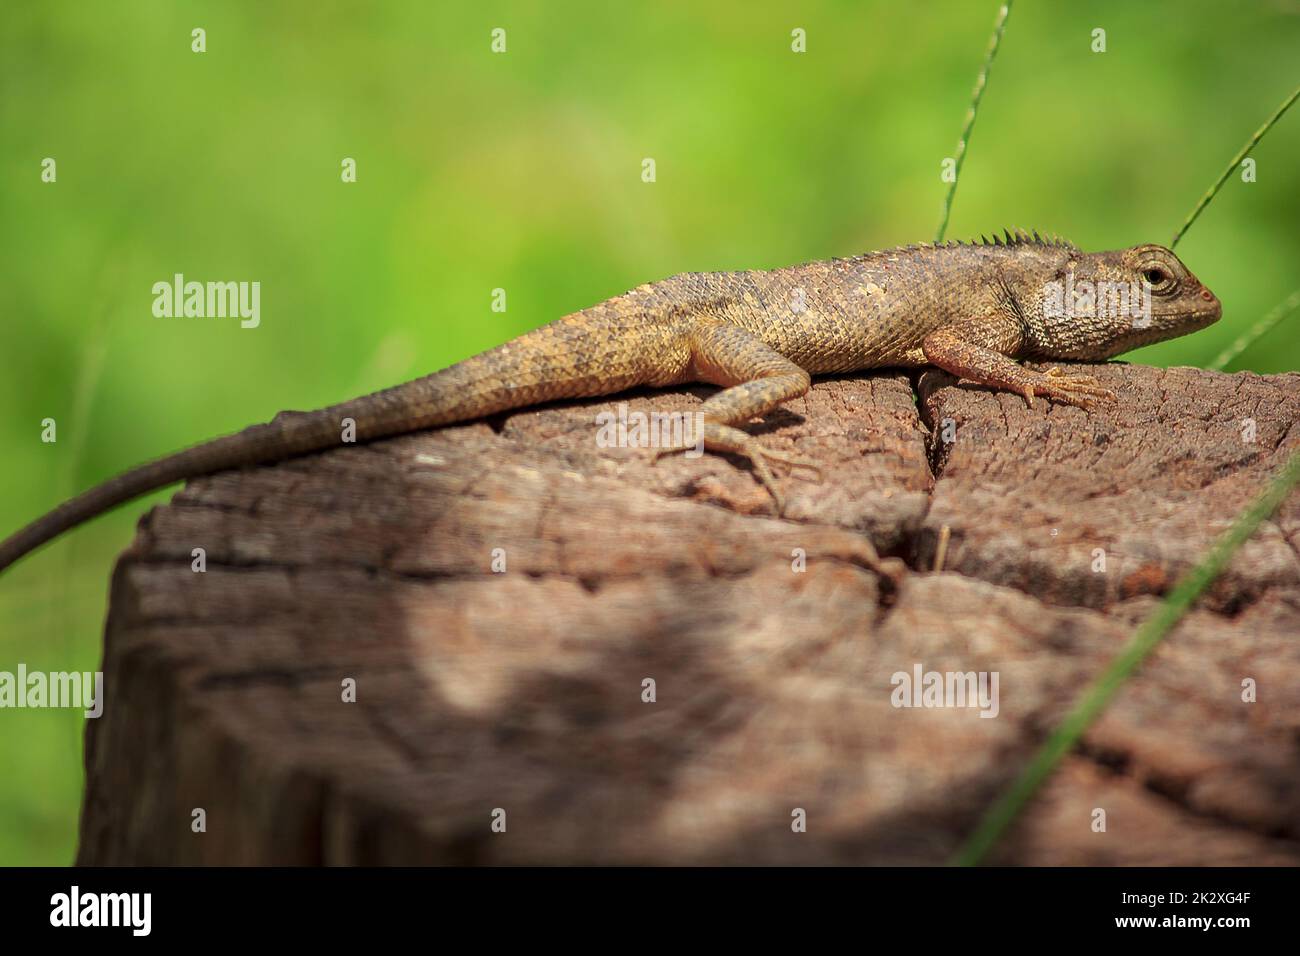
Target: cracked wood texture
[[522, 691]]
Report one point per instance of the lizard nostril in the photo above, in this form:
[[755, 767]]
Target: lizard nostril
[[1206, 294]]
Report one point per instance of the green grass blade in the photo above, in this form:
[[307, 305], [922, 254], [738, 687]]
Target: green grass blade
[[978, 94], [1099, 694], [1236, 161], [1257, 331]]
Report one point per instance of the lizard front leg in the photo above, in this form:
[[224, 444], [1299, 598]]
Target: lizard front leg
[[954, 352], [758, 379]]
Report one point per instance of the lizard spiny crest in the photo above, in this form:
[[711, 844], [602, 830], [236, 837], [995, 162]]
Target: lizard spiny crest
[[1010, 237]]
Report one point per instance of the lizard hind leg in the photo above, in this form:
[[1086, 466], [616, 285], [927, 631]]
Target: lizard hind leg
[[758, 379]]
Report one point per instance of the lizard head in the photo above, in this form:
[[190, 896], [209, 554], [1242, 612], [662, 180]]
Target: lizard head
[[1100, 304]]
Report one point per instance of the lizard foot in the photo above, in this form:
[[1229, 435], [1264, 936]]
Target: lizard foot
[[759, 457], [1079, 390], [729, 440], [793, 463]]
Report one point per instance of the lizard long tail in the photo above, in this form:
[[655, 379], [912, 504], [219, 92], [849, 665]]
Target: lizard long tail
[[560, 360]]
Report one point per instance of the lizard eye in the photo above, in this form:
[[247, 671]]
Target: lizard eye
[[1161, 280]]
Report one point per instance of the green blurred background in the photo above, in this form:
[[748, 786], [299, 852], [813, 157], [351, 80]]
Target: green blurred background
[[522, 171]]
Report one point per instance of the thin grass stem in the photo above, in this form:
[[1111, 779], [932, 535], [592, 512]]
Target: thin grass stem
[[980, 82], [1100, 692], [1236, 161]]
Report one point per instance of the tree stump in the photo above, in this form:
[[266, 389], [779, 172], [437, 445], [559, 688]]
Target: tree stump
[[518, 698]]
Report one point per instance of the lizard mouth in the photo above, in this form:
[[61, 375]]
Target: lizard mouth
[[1165, 325], [1198, 307], [1212, 315], [1208, 314]]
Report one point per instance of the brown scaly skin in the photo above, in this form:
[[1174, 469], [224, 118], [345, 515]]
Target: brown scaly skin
[[971, 309]]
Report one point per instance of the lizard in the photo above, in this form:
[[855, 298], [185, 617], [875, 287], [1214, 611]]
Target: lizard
[[970, 308]]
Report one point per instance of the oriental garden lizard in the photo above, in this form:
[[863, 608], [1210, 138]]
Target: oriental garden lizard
[[969, 308]]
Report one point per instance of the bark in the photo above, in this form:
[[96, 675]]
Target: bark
[[522, 691]]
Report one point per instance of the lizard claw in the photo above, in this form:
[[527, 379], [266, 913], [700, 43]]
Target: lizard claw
[[794, 464], [727, 439], [760, 456], [1078, 393], [1078, 390], [768, 481]]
